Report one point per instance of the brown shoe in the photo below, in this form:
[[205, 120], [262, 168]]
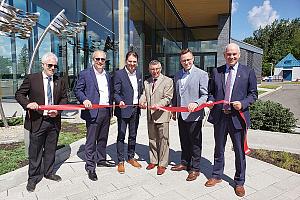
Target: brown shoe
[[134, 163], [150, 166], [192, 176], [212, 182], [239, 190], [121, 168], [179, 167], [160, 170]]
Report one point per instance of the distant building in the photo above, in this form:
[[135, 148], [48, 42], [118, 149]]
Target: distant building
[[288, 68], [250, 56]]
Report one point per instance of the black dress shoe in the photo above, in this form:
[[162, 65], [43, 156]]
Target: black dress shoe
[[53, 177], [105, 163], [92, 175], [30, 187]]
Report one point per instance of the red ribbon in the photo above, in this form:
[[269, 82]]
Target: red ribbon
[[163, 108]]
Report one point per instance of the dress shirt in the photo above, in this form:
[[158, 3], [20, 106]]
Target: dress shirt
[[184, 78], [45, 82], [133, 80], [233, 76], [103, 87]]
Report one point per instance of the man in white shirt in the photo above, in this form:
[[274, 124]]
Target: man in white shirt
[[94, 87], [127, 91]]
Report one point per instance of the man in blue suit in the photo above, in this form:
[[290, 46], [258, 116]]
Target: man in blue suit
[[127, 91], [191, 91], [94, 87], [236, 84]]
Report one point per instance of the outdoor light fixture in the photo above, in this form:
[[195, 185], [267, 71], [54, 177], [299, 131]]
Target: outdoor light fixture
[[16, 22]]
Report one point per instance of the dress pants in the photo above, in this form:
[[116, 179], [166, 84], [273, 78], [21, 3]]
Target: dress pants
[[221, 130], [96, 139], [159, 143], [42, 148], [132, 123], [190, 134]]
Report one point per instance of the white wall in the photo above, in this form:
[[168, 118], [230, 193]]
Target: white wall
[[296, 73]]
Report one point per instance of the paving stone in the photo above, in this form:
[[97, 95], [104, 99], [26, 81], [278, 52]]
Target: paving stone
[[227, 193], [269, 192], [279, 172], [293, 193], [86, 195], [168, 195], [288, 183], [260, 181]]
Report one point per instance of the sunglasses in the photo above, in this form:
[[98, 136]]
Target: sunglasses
[[98, 59], [186, 60], [51, 65]]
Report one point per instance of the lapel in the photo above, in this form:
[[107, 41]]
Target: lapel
[[189, 78], [157, 83], [237, 78], [223, 78], [127, 77], [94, 79], [55, 88], [40, 86], [108, 83]]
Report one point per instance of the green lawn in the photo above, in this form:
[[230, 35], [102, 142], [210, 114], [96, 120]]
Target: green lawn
[[261, 92], [269, 86], [292, 83], [12, 156]]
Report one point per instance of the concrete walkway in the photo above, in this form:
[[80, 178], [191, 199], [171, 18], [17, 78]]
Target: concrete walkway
[[263, 181]]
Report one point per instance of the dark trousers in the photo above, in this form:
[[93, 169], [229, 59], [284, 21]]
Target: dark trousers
[[132, 123], [42, 149], [190, 134], [96, 139], [221, 130]]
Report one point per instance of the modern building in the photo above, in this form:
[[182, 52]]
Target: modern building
[[156, 29], [288, 68]]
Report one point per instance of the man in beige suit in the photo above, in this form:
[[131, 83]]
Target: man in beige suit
[[158, 91]]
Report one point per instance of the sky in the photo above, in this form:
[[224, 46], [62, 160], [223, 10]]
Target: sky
[[248, 15]]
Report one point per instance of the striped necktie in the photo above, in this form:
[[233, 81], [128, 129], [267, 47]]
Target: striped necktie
[[227, 89], [49, 91]]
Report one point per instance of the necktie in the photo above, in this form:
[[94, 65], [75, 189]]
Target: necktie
[[227, 89], [153, 85], [49, 91]]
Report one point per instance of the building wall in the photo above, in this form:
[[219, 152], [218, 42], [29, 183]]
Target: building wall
[[296, 74], [224, 37]]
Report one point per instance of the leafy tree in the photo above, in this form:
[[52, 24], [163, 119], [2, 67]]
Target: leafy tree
[[277, 40], [23, 61]]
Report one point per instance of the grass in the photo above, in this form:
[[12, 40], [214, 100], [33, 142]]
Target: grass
[[285, 160], [12, 156], [261, 92], [269, 86], [292, 83]]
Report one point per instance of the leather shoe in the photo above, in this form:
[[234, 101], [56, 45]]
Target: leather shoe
[[179, 167], [121, 168], [53, 177], [150, 166], [30, 187], [92, 175], [160, 170], [105, 163], [134, 163], [212, 182], [239, 190], [192, 176]]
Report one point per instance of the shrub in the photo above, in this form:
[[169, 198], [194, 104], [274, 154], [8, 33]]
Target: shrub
[[272, 116]]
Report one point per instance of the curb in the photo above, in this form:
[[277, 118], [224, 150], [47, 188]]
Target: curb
[[268, 92]]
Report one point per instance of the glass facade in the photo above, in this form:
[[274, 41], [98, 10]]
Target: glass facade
[[150, 27]]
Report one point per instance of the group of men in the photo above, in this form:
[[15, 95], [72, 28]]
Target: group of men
[[232, 82]]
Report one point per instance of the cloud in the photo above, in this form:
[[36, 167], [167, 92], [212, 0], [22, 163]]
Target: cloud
[[235, 6], [260, 16]]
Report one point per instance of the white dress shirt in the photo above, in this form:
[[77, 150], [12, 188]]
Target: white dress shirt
[[45, 82], [103, 87], [133, 80], [233, 76]]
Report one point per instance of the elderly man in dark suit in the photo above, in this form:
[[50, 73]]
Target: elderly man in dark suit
[[94, 87], [236, 84], [127, 91], [190, 91], [43, 88]]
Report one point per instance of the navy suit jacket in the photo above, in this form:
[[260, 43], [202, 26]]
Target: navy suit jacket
[[87, 89], [123, 91], [244, 90]]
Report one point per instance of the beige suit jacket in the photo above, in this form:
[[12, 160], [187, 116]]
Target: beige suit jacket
[[161, 95]]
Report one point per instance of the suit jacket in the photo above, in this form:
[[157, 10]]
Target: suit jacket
[[244, 90], [32, 90], [123, 91], [195, 90], [161, 95], [87, 89]]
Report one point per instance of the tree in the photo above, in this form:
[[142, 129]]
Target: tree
[[23, 61], [277, 40]]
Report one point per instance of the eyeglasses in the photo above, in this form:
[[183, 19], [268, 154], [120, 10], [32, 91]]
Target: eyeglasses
[[51, 65], [98, 59], [186, 60]]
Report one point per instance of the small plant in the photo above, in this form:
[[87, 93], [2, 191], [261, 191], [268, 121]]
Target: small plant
[[14, 121], [272, 116]]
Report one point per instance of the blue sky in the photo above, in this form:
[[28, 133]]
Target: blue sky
[[248, 15]]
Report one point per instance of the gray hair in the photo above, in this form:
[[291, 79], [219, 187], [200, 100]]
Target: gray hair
[[237, 46], [47, 56], [93, 55], [154, 62]]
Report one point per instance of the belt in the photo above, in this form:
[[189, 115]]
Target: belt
[[47, 118], [226, 112]]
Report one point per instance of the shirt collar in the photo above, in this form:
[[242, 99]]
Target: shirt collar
[[45, 76], [128, 72], [234, 67], [97, 73], [189, 71]]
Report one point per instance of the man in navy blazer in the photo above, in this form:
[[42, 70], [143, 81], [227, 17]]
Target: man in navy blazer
[[94, 87], [127, 91], [236, 84]]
